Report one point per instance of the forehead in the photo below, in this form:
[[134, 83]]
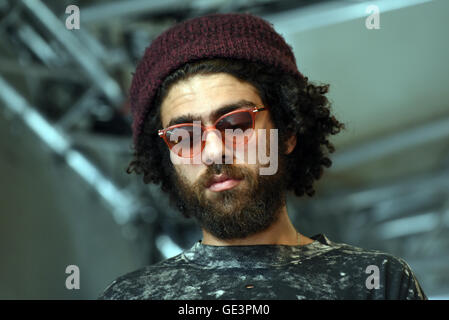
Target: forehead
[[202, 94]]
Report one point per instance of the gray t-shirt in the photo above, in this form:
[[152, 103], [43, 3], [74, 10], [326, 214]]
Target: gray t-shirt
[[319, 270]]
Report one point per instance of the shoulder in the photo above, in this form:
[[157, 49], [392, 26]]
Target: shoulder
[[360, 258], [141, 283], [354, 254], [394, 275], [370, 257]]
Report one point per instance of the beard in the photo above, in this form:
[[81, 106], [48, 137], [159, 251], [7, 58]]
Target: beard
[[249, 208]]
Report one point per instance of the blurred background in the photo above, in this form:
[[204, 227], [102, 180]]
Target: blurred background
[[65, 138]]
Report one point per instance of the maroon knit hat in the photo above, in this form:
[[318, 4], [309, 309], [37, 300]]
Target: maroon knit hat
[[232, 35]]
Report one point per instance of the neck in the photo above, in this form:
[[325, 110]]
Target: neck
[[281, 232]]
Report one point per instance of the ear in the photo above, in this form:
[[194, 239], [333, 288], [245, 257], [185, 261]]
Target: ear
[[290, 144]]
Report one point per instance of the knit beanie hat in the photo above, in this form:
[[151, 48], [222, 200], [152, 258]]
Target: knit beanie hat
[[232, 35]]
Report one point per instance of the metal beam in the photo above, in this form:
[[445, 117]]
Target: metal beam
[[330, 13], [123, 205], [11, 66], [37, 45], [76, 50], [119, 9], [377, 149]]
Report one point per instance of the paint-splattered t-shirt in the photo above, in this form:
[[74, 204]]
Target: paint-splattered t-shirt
[[320, 270]]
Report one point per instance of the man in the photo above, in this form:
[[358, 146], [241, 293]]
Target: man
[[208, 95]]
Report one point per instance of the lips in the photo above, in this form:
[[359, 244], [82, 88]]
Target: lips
[[221, 182]]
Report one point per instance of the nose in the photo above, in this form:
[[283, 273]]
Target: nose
[[214, 149]]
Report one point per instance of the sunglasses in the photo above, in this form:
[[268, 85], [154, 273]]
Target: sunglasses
[[188, 136]]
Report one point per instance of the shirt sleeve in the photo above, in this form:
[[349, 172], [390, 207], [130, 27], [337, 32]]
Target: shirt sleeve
[[409, 287]]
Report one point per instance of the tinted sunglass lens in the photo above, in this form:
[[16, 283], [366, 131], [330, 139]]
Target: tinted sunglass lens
[[181, 140], [239, 120]]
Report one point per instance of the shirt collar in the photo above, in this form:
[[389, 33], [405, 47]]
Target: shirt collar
[[255, 256]]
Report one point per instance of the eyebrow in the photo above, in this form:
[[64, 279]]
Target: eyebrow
[[189, 117]]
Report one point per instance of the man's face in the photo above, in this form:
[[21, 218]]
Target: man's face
[[245, 202]]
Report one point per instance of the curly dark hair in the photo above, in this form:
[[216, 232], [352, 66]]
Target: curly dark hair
[[296, 107]]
